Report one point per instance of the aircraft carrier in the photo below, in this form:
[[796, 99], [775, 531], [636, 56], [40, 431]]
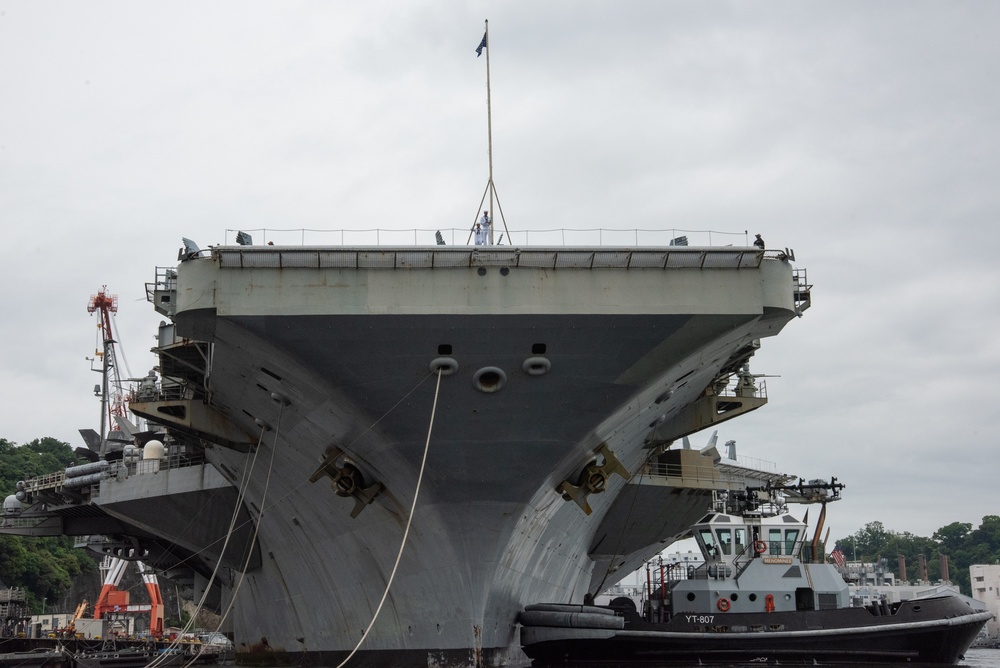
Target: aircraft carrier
[[529, 398]]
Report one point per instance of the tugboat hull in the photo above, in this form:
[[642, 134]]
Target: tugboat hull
[[935, 630]]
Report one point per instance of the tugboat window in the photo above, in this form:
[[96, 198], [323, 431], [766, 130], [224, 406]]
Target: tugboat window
[[741, 540], [708, 542], [774, 541], [726, 541], [791, 535]]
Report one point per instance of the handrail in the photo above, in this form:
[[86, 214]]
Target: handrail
[[123, 470], [457, 236], [737, 560], [709, 472]]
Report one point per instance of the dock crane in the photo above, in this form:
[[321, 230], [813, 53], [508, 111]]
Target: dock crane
[[114, 600], [114, 409], [112, 402]]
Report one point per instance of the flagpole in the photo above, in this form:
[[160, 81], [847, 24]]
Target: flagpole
[[489, 126]]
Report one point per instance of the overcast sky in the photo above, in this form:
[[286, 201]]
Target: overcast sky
[[863, 135]]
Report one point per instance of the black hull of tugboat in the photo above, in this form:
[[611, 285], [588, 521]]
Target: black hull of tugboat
[[931, 631]]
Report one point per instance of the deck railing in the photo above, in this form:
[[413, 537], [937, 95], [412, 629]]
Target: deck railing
[[738, 470], [123, 470], [463, 237]]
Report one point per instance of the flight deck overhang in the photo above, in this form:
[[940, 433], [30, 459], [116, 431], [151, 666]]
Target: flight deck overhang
[[191, 506], [278, 280]]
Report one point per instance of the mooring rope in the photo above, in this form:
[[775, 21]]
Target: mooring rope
[[406, 532], [347, 448], [256, 530], [244, 485]]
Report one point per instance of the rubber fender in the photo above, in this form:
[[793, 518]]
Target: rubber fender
[[568, 607], [574, 620]]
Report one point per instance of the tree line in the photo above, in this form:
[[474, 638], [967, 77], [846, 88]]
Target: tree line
[[963, 545], [43, 567]]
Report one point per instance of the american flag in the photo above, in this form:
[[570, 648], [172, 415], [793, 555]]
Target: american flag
[[838, 557]]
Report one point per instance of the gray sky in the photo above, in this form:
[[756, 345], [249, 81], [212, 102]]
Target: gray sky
[[863, 135]]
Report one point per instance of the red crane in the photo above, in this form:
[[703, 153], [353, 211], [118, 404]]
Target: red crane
[[106, 304], [115, 600], [112, 399]]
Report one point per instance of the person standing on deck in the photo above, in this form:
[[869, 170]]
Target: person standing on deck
[[486, 225]]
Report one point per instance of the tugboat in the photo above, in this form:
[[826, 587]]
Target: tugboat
[[763, 595]]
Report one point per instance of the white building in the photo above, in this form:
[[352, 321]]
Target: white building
[[51, 622], [985, 581]]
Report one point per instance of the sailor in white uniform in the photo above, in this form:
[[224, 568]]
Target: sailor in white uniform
[[486, 224]]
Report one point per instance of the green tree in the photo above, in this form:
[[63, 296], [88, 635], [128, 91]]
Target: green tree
[[43, 567], [13, 560], [988, 533], [953, 537], [37, 458], [872, 537], [963, 545]]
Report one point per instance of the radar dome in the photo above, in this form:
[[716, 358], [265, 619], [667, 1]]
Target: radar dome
[[11, 506], [154, 450]]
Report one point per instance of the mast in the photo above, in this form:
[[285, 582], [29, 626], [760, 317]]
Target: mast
[[489, 126], [490, 188], [105, 305], [106, 367]]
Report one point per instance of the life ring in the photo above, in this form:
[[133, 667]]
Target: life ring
[[723, 604], [759, 546], [769, 603]]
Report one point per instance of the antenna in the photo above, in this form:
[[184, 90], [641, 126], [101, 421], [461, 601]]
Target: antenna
[[490, 186]]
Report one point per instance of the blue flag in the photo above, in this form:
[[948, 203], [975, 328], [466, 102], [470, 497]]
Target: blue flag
[[482, 45]]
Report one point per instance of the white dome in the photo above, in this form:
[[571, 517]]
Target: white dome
[[11, 506], [154, 450]]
